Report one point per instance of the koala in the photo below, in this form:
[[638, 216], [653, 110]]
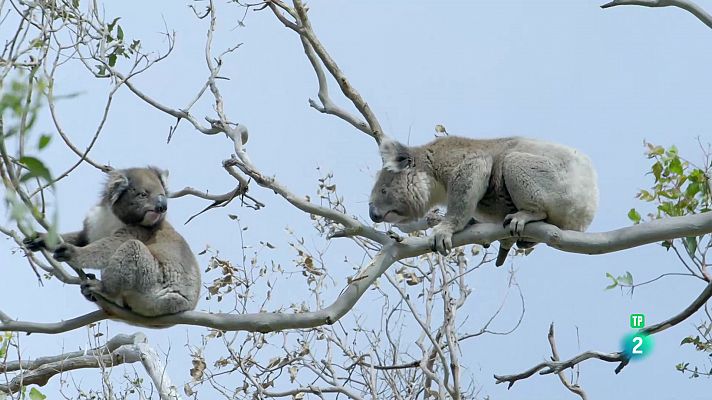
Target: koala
[[146, 266], [511, 180]]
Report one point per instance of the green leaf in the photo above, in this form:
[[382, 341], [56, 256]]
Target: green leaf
[[112, 60], [692, 189], [36, 394], [690, 244], [36, 169], [634, 216], [676, 166], [44, 141], [110, 27], [627, 278], [657, 170], [615, 281], [119, 33]]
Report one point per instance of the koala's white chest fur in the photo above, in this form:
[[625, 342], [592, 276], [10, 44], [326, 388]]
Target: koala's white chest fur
[[100, 222]]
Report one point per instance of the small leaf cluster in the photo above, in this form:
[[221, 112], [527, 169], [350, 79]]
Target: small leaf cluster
[[116, 46], [679, 188]]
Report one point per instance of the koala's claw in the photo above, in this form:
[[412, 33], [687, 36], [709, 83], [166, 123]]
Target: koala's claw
[[442, 240], [89, 275], [34, 243], [64, 252], [516, 225], [90, 286]]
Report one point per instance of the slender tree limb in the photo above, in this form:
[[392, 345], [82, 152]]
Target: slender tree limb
[[689, 6], [312, 46], [318, 390], [121, 349], [550, 367], [696, 304], [573, 388], [350, 223], [7, 324], [555, 366]]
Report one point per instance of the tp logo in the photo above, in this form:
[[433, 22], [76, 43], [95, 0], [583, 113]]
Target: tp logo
[[637, 321]]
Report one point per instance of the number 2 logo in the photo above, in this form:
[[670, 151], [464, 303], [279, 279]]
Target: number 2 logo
[[639, 342]]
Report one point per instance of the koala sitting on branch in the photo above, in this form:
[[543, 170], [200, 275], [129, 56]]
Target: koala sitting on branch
[[146, 266], [506, 180]]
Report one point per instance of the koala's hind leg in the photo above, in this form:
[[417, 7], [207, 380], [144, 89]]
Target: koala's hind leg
[[131, 268], [530, 181], [533, 182], [162, 302]]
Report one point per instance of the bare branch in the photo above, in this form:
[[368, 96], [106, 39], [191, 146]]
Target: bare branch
[[574, 388], [312, 46], [693, 8], [119, 350], [555, 366], [549, 367], [579, 242]]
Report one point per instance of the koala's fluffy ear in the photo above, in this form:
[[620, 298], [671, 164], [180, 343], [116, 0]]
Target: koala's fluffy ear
[[162, 175], [396, 156], [115, 186]]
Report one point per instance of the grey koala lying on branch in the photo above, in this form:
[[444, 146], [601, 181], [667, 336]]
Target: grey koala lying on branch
[[507, 180], [146, 266]]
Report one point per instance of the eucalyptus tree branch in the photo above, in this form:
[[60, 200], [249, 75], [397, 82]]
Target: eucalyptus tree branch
[[313, 389], [573, 388], [555, 366], [392, 251], [327, 104], [551, 367], [54, 268], [686, 5], [313, 49], [121, 349], [351, 224], [255, 322]]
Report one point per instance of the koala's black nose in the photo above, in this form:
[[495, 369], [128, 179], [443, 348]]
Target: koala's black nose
[[161, 204], [374, 214]]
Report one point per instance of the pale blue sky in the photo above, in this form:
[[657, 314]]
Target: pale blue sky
[[565, 71]]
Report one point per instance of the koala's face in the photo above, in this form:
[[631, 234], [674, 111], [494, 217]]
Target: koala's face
[[401, 192], [138, 195], [390, 198]]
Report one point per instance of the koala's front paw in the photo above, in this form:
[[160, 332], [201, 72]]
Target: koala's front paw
[[91, 286], [35, 243], [65, 252], [442, 239]]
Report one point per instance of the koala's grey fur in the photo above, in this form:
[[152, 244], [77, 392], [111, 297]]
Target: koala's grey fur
[[146, 266], [512, 180]]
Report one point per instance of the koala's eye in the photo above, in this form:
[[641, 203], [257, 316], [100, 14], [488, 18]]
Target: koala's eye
[[143, 195], [383, 191]]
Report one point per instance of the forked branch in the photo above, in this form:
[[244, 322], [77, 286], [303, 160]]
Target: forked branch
[[313, 48]]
